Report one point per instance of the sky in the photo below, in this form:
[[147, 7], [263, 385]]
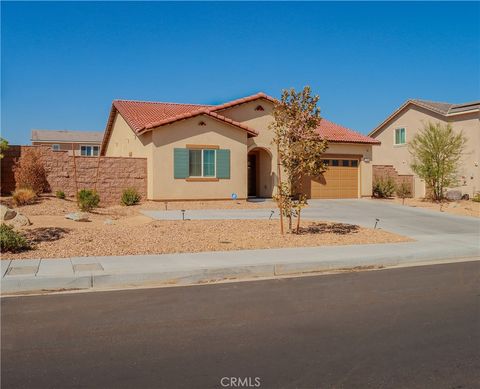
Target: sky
[[62, 63]]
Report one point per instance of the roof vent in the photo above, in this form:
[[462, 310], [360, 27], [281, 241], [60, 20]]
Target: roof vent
[[259, 108], [202, 123]]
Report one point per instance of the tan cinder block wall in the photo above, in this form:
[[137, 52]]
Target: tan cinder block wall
[[413, 118], [114, 174], [188, 132]]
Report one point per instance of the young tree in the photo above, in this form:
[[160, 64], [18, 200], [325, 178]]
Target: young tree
[[299, 148], [3, 146], [436, 152]]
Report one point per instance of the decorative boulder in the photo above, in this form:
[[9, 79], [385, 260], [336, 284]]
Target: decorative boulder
[[453, 195], [19, 221], [77, 216], [6, 213]]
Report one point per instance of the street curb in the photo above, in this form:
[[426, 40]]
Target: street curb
[[95, 281]]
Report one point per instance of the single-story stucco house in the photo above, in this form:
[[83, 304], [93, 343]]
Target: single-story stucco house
[[209, 152], [403, 124]]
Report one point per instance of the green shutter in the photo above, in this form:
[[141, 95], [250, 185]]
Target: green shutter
[[180, 163], [223, 163]]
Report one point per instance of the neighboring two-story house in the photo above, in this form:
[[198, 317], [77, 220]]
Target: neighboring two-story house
[[84, 143], [400, 127], [213, 152]]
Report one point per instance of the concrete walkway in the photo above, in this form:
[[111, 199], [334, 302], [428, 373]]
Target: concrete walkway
[[438, 237]]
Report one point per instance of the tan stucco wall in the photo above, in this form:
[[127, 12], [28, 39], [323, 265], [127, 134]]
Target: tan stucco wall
[[413, 118], [180, 134], [260, 121]]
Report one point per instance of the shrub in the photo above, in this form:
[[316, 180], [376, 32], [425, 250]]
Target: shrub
[[130, 196], [383, 187], [476, 198], [87, 199], [29, 171], [404, 190], [23, 197], [11, 240], [60, 194]]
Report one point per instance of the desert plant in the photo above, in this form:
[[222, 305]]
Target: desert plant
[[299, 148], [383, 187], [436, 153], [404, 190], [11, 240], [30, 172], [3, 146], [23, 196], [130, 196], [476, 198], [88, 199], [60, 194]]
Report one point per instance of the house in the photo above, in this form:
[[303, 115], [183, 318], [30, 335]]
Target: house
[[401, 126], [212, 152], [85, 143]]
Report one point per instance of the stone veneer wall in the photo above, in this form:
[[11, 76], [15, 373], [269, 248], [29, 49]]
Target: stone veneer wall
[[388, 170], [114, 173]]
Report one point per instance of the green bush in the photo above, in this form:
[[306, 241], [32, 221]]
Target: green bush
[[383, 187], [60, 194], [11, 240], [476, 198], [87, 199], [24, 196], [130, 196]]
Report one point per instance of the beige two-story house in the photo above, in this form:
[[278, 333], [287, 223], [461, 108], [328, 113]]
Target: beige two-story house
[[400, 127], [222, 151]]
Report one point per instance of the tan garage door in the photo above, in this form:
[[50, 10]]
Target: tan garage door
[[340, 181]]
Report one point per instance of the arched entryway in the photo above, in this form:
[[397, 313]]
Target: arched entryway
[[260, 173]]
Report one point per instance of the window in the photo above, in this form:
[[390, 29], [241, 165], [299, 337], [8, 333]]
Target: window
[[56, 147], [335, 162], [202, 163], [345, 162], [400, 136], [326, 162], [89, 151], [354, 163]]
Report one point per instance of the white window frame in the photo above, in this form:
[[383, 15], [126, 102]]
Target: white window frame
[[395, 136], [56, 147], [201, 163], [92, 147]]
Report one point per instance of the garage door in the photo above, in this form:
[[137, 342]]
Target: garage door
[[340, 181]]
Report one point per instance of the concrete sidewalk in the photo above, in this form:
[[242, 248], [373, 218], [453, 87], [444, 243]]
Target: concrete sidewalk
[[438, 237]]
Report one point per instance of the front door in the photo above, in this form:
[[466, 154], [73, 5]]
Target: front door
[[252, 175]]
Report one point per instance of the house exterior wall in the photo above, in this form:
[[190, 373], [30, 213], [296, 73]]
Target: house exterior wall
[[260, 120], [413, 118], [188, 132]]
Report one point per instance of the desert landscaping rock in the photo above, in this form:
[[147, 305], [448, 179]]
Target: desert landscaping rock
[[77, 216], [19, 221], [453, 195], [6, 213]]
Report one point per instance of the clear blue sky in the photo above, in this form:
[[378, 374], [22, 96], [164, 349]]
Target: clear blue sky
[[63, 63]]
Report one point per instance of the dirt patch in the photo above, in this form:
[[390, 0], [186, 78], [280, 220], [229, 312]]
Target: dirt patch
[[461, 207]]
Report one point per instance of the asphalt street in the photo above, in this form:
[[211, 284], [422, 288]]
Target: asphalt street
[[399, 328]]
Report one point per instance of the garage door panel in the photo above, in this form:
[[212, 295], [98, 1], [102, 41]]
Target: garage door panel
[[338, 182]]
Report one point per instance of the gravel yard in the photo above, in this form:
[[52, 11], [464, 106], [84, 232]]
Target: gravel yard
[[121, 230]]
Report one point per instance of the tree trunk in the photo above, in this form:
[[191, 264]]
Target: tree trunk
[[279, 175]]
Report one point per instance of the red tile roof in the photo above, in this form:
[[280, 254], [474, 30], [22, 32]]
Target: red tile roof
[[143, 116], [336, 133]]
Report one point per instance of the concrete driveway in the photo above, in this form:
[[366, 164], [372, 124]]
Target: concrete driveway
[[437, 234]]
